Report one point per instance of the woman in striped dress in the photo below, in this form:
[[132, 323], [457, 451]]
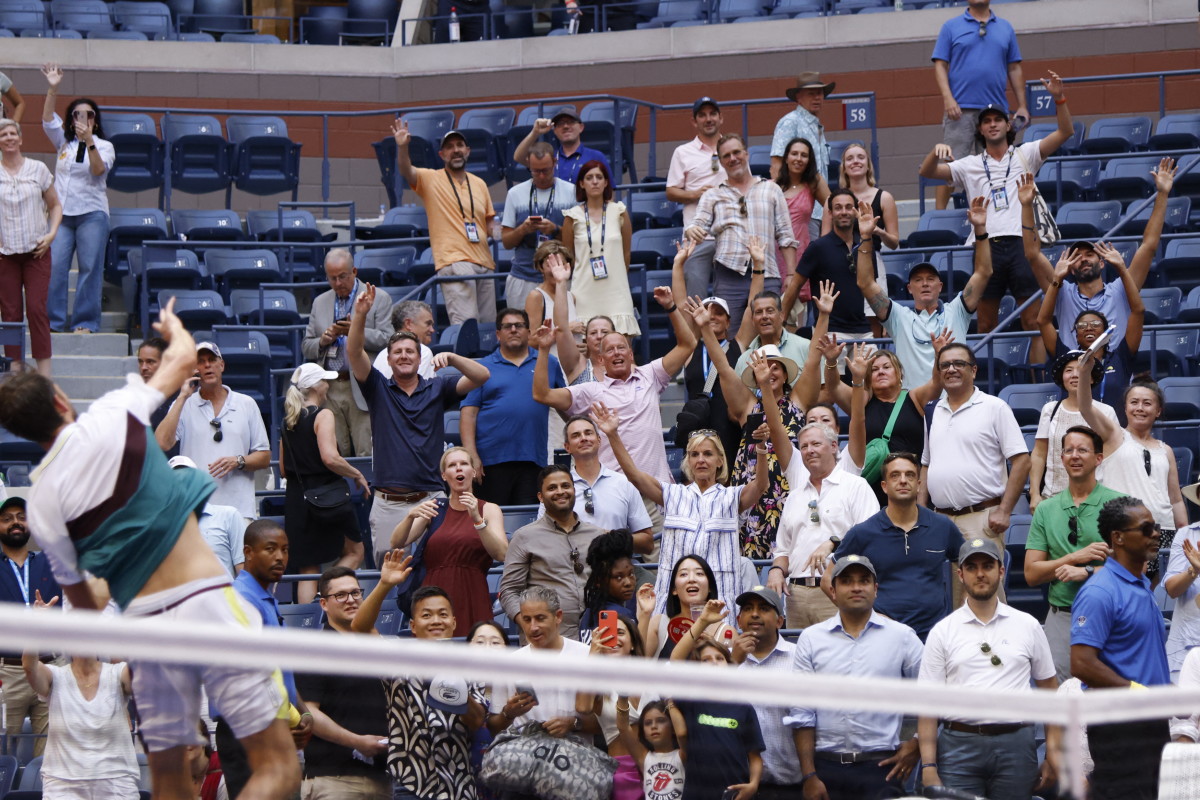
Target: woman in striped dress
[[700, 516]]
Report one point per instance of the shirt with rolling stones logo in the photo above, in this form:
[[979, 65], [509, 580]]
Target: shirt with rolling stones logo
[[663, 776]]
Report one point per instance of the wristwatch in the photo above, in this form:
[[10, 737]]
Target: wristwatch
[[241, 462], [1090, 570], [835, 539]]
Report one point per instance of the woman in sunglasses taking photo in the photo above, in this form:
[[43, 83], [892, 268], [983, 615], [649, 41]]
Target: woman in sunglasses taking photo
[[81, 177]]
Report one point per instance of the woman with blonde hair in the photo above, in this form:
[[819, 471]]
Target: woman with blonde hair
[[309, 458], [457, 537]]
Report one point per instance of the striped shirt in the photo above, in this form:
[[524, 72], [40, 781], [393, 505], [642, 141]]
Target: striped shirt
[[734, 218], [781, 765], [22, 210], [704, 525]]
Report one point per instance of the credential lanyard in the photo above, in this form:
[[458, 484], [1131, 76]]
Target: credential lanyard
[[22, 579], [603, 227], [470, 194], [988, 173], [533, 209]]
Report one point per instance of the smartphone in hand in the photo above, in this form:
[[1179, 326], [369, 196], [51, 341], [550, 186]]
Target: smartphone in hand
[[608, 626]]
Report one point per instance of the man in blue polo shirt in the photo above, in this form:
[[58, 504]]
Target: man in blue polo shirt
[[1118, 640], [502, 426], [407, 426], [909, 545], [975, 57], [570, 154]]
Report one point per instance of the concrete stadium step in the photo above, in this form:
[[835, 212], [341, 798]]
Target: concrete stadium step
[[88, 387], [93, 366], [86, 344]]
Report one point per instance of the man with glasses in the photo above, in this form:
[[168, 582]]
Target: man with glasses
[[502, 426], [825, 501], [1064, 547], [603, 497], [571, 153], [550, 552], [348, 753], [538, 204], [742, 207], [695, 168], [986, 644], [219, 430], [324, 344], [1118, 641], [971, 435], [914, 329]]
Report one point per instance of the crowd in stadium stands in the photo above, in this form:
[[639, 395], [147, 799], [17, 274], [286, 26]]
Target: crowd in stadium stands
[[887, 557]]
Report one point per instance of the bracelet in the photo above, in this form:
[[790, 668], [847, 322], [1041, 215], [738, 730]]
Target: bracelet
[[775, 566], [858, 385], [761, 450], [482, 524], [672, 309], [1028, 228], [930, 764], [1056, 284], [982, 237], [624, 710], [806, 777], [758, 272], [830, 364], [1058, 101], [91, 147]]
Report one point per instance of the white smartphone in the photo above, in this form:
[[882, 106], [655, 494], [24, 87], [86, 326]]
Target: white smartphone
[[1101, 340]]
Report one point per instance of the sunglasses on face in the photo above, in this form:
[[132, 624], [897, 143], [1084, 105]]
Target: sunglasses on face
[[81, 114]]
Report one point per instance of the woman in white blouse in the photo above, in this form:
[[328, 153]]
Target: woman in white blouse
[[29, 217], [81, 176]]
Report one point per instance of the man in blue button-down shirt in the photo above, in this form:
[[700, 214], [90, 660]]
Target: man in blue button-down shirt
[[855, 755], [1118, 641]]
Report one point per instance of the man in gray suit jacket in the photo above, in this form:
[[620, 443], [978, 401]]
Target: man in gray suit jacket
[[325, 343]]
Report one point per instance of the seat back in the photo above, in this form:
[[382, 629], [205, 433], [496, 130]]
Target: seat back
[[177, 125], [495, 121], [1117, 135], [241, 128], [1026, 400], [1088, 220], [221, 224], [81, 15], [148, 17], [529, 114], [371, 19], [262, 222]]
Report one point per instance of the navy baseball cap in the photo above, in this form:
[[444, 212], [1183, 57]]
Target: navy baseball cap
[[702, 102], [992, 108], [923, 266]]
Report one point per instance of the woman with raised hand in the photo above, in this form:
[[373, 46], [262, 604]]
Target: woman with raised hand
[[81, 177], [857, 175], [692, 584], [701, 515]]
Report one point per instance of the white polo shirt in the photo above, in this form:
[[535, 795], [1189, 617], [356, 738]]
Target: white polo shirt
[[844, 501], [954, 653], [966, 450], [982, 175], [692, 168], [242, 433], [551, 702]]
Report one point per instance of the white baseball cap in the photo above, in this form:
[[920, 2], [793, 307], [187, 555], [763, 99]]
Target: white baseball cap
[[448, 694], [179, 462], [308, 375]]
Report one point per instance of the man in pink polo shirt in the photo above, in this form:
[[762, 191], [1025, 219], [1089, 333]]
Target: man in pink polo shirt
[[694, 169]]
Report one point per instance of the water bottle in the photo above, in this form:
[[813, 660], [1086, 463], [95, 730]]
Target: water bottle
[[3, 711], [899, 5], [573, 25], [455, 31]]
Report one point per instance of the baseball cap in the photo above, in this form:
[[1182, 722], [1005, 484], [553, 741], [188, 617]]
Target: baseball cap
[[992, 108], [706, 302], [448, 694], [762, 592], [448, 134], [846, 562], [564, 112], [979, 545], [14, 500], [309, 375], [923, 266], [1082, 244], [209, 346], [702, 102], [179, 462]]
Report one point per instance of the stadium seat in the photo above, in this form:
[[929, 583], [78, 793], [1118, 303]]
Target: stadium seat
[[8, 773], [252, 38], [298, 226], [84, 16], [1117, 135], [392, 266], [278, 307], [23, 15], [31, 776], [129, 36], [1078, 180], [1167, 353], [940, 228], [1176, 219], [1018, 592], [1176, 132], [1010, 355], [1183, 465], [301, 615], [450, 422], [672, 11], [161, 268], [265, 160], [370, 21], [1127, 179], [1187, 184], [655, 248], [199, 309], [760, 159], [201, 159], [1162, 305], [1190, 310], [5, 33], [140, 153], [955, 268], [127, 229], [1183, 397], [323, 25], [389, 622], [1026, 400], [217, 17], [1180, 265], [527, 115], [247, 357], [146, 16], [194, 36], [653, 210], [495, 121], [401, 222], [790, 8], [598, 119], [241, 269], [484, 159], [216, 225], [1040, 130], [1091, 220]]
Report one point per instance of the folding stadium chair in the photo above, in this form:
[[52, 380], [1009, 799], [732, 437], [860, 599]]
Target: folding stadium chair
[[1078, 181], [201, 158], [1117, 135], [241, 269], [197, 310], [1087, 220], [1026, 400], [940, 228], [151, 18], [85, 16], [1126, 179], [266, 161], [128, 228], [1176, 132]]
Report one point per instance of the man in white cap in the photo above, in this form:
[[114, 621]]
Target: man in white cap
[[223, 527], [220, 429], [809, 95]]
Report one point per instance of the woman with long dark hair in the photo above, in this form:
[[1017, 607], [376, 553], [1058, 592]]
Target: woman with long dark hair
[[803, 188], [611, 581], [84, 158]]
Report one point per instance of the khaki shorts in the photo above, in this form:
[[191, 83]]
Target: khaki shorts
[[960, 133]]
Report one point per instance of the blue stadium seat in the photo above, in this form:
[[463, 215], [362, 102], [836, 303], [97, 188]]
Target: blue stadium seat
[[1078, 180], [217, 225], [484, 158], [427, 129], [1040, 130], [371, 21], [323, 25], [278, 307], [940, 228], [161, 268], [217, 17], [495, 121], [790, 8], [1010, 357], [1176, 132], [241, 269], [8, 773], [22, 15], [5, 33], [672, 11], [140, 153], [653, 210], [1162, 305], [1190, 310], [298, 226], [1117, 135], [1018, 592], [1127, 179], [955, 277], [655, 248], [84, 16], [759, 156], [392, 266], [31, 776], [1187, 184], [450, 421], [146, 16], [1183, 397], [266, 161], [527, 115], [193, 36], [127, 229], [247, 356], [48, 33], [129, 36], [896, 265], [1176, 219], [601, 129], [301, 615], [252, 38], [1083, 220], [1026, 400], [201, 159], [199, 309], [857, 6], [401, 222], [1171, 352]]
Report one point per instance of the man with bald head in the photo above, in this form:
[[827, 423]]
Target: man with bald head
[[325, 344]]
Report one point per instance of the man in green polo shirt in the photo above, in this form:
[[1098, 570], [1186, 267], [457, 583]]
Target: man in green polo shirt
[[1064, 546]]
